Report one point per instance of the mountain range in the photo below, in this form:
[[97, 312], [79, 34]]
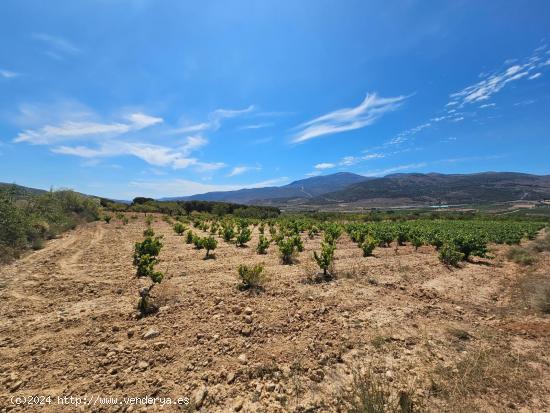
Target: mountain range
[[405, 189], [395, 189]]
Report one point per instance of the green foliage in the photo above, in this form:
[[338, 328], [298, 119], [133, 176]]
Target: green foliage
[[471, 244], [243, 236], [209, 244], [26, 221], [368, 245], [312, 232], [298, 243], [189, 237], [125, 220], [149, 220], [450, 255], [149, 246], [326, 257], [179, 228], [263, 245], [287, 250], [148, 232], [197, 242], [332, 233], [252, 277], [228, 231]]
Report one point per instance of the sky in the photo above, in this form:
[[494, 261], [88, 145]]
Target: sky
[[125, 98]]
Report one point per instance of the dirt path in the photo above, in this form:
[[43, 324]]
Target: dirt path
[[66, 326]]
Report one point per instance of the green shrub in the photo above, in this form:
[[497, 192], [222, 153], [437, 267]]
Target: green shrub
[[298, 243], [243, 236], [125, 220], [148, 232], [149, 246], [263, 245], [179, 228], [197, 242], [450, 255], [209, 244], [368, 245], [325, 258], [251, 277], [189, 237], [228, 232], [287, 250]]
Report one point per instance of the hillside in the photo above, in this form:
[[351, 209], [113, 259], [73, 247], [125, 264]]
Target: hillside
[[436, 188], [298, 190]]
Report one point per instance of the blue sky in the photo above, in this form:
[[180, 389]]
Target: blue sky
[[163, 98]]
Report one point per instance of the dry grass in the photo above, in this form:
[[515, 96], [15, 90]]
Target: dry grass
[[480, 376], [535, 290], [371, 393]]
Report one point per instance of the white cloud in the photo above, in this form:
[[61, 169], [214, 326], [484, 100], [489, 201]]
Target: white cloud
[[488, 105], [8, 74], [342, 120], [387, 171], [324, 165], [184, 187], [535, 76], [494, 83], [256, 126], [239, 170], [214, 122], [59, 44], [71, 130]]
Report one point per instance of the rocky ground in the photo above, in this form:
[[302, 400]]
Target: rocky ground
[[466, 339]]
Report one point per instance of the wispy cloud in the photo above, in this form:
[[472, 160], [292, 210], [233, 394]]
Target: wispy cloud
[[495, 82], [324, 165], [8, 74], [387, 171], [214, 122], [183, 187], [71, 130], [342, 120], [57, 47], [256, 126], [156, 155], [239, 170]]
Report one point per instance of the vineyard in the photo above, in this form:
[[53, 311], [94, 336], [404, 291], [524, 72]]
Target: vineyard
[[297, 313]]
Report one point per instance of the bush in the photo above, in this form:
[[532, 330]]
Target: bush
[[368, 245], [209, 244], [263, 245], [243, 236], [189, 237], [179, 228], [197, 242], [149, 245], [450, 255], [228, 232], [287, 249], [251, 277], [325, 258], [148, 232]]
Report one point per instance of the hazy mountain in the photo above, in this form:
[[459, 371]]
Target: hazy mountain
[[436, 188], [298, 190]]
